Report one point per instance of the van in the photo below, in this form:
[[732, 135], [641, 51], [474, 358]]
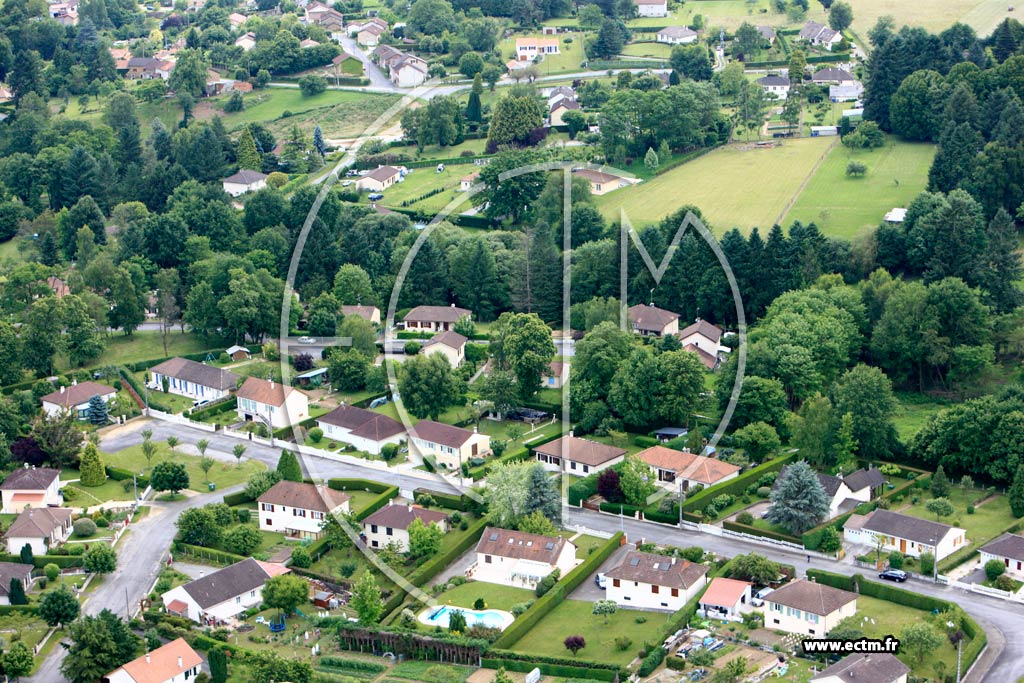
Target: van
[[759, 596]]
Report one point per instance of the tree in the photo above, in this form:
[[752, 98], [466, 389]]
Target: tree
[[692, 61], [457, 621], [840, 16], [51, 571], [920, 638], [260, 483], [746, 40], [17, 661], [366, 600], [59, 607], [242, 540], [635, 481], [856, 168], [866, 393], [198, 526], [604, 608], [218, 661], [913, 110], [797, 66], [285, 592], [16, 593], [537, 523], [993, 569], [611, 37], [428, 385], [318, 142], [798, 500], [288, 466], [172, 442], [246, 154], [90, 466], [25, 555], [543, 495], [651, 159], [755, 568], [100, 559], [758, 439], [238, 451], [169, 476], [940, 507], [608, 486], [1016, 493], [59, 437], [939, 485], [189, 75], [1002, 263], [82, 341], [521, 342], [507, 492], [513, 118], [831, 541], [311, 85], [575, 643], [471, 64], [424, 539]]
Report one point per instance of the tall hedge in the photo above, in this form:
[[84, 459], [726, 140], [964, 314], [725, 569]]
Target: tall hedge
[[552, 666], [737, 486]]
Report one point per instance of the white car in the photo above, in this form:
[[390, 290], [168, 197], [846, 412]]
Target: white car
[[759, 596], [346, 183], [601, 580], [307, 340]]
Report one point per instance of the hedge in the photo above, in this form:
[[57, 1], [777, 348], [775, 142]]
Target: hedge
[[645, 441], [430, 568], [377, 503], [445, 500], [652, 661], [451, 161], [582, 489], [351, 664], [40, 561], [754, 531], [237, 498], [737, 486], [358, 485], [227, 406], [120, 474], [552, 666], [18, 609], [207, 553], [556, 595]]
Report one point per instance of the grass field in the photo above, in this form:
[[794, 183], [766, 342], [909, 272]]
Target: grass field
[[223, 473], [845, 207], [496, 596], [568, 60], [989, 520], [121, 349], [423, 180], [646, 49], [882, 618], [911, 415]]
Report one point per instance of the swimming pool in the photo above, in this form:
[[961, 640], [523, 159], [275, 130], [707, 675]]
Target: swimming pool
[[492, 618]]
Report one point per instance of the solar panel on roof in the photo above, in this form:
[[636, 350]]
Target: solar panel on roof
[[664, 567]]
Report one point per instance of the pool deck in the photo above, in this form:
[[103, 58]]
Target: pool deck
[[425, 615]]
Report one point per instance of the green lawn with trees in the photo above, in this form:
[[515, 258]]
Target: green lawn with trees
[[495, 595], [223, 473]]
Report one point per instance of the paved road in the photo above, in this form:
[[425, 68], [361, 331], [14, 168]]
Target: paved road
[[378, 78], [1003, 662]]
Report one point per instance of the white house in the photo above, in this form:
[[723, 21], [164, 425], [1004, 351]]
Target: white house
[[651, 8], [390, 524], [654, 321], [601, 182], [528, 49], [364, 429], [521, 560], [223, 594], [409, 72], [807, 608], [368, 313], [574, 455], [434, 318], [555, 375], [40, 528], [880, 667], [776, 85], [466, 182], [654, 582], [726, 599], [558, 109], [75, 398], [31, 487], [379, 179], [271, 403], [674, 468], [451, 345], [705, 336], [244, 181], [246, 41], [369, 35], [909, 535], [833, 76], [449, 446], [1008, 549], [10, 571], [820, 35], [299, 510], [193, 380], [174, 662], [865, 485], [676, 35]]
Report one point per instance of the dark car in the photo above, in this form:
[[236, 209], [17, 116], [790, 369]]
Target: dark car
[[897, 575], [526, 415], [374, 196]]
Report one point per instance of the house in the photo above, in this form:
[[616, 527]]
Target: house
[[40, 528], [651, 8], [767, 33], [879, 667], [726, 599], [223, 594], [451, 345], [849, 92], [653, 321], [142, 68], [369, 35], [707, 360], [368, 313], [193, 380], [246, 41], [557, 111], [238, 353], [688, 469], [1008, 549], [449, 446], [705, 336], [555, 375], [909, 535], [59, 288], [833, 76], [390, 524], [308, 42], [298, 510], [820, 35], [30, 487], [244, 181], [574, 455], [528, 49], [676, 35], [836, 491], [271, 403], [379, 179], [466, 182], [897, 215], [654, 582], [174, 662], [776, 85], [601, 182], [364, 429], [409, 72], [865, 485], [237, 20], [807, 608], [518, 559], [76, 397], [435, 318], [10, 571]]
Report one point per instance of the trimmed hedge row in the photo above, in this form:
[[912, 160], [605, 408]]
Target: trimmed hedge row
[[378, 502], [556, 595], [645, 441], [207, 553], [551, 666], [429, 569], [226, 406], [237, 498], [451, 161], [358, 485], [19, 609], [40, 561], [754, 531], [446, 500], [736, 486], [120, 474]]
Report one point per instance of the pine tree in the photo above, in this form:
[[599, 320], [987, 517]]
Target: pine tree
[[17, 593], [1016, 493], [543, 495], [288, 467], [940, 483], [318, 142], [25, 554], [651, 159], [958, 146], [846, 444], [1003, 267], [1009, 130], [97, 411], [218, 666], [474, 110], [90, 466], [248, 157], [799, 502]]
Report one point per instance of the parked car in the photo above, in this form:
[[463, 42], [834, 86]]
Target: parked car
[[601, 581], [199, 403], [698, 674], [346, 183], [376, 196], [307, 340], [760, 595], [378, 402], [897, 575], [526, 415]]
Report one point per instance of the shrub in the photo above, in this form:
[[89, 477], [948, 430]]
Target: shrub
[[102, 523], [651, 661], [347, 569], [896, 559], [301, 558], [641, 619], [389, 451], [244, 515], [994, 569], [547, 583], [745, 518], [316, 435], [479, 604], [764, 491], [675, 663], [1005, 583], [970, 509], [723, 501], [84, 527], [463, 525], [693, 554]]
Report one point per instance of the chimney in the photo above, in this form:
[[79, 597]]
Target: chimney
[[180, 662], [391, 501], [453, 305], [408, 506], [674, 560], [74, 382], [570, 434], [62, 390], [271, 384], [147, 658]]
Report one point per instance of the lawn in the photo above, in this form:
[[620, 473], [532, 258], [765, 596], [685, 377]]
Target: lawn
[[121, 349], [223, 474], [424, 180], [568, 60], [881, 618], [496, 596], [913, 413], [729, 185], [988, 521], [847, 207], [428, 672], [574, 617], [9, 251], [648, 49], [87, 496], [584, 544]]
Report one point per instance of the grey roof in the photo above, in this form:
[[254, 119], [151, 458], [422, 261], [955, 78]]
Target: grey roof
[[197, 373], [362, 422], [677, 32], [812, 30], [773, 80], [30, 479], [658, 570], [904, 526], [382, 173], [431, 314], [832, 74], [400, 516], [143, 63], [38, 522], [811, 596], [581, 450], [865, 668], [297, 494], [439, 433], [448, 338], [226, 583], [651, 318], [859, 479], [14, 570], [245, 177], [1007, 545], [767, 32]]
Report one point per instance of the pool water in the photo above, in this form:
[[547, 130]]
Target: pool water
[[490, 618]]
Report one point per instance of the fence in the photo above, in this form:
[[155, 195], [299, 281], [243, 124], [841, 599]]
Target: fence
[[181, 420]]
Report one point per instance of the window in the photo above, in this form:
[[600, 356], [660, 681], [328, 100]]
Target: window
[[655, 589], [615, 582], [238, 599], [298, 512], [267, 507], [269, 522], [390, 531], [813, 618], [487, 559], [318, 515], [586, 468], [252, 594], [373, 528], [675, 592]]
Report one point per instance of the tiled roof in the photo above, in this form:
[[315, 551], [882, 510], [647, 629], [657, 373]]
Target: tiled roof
[[521, 546], [231, 581], [382, 173], [595, 176], [448, 338], [30, 479], [38, 522], [724, 592], [439, 433], [197, 373], [677, 32], [443, 314], [1007, 545], [650, 318], [914, 529], [658, 570], [811, 596], [690, 466], [865, 668], [77, 394], [773, 80], [704, 329], [14, 570], [364, 312], [163, 664], [296, 494], [581, 450], [264, 391], [245, 177], [862, 478], [832, 74], [400, 516], [363, 423]]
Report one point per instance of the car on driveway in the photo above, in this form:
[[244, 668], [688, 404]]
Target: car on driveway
[[307, 340], [526, 415], [375, 196], [897, 575], [760, 595], [601, 581]]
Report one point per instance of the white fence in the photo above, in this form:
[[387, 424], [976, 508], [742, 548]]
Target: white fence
[[765, 541], [181, 420]]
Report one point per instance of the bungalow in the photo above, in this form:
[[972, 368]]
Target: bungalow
[[1008, 549], [308, 42], [528, 49], [244, 181], [726, 599], [174, 662], [379, 179], [807, 608], [654, 582], [555, 374], [557, 111], [271, 403], [246, 41], [601, 182], [650, 320], [451, 345], [880, 667], [466, 182], [435, 318], [705, 336], [39, 528], [676, 35], [76, 397], [364, 429], [832, 76], [909, 535], [767, 33], [776, 85], [368, 313], [577, 456], [850, 92], [865, 485], [651, 8], [390, 524], [238, 353], [59, 288], [223, 594], [30, 487], [688, 469], [820, 35], [449, 446], [518, 559], [194, 380], [9, 571], [298, 510], [369, 35]]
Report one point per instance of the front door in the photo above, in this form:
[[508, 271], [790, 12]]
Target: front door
[[903, 545]]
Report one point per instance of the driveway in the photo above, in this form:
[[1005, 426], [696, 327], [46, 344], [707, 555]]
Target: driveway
[[589, 590]]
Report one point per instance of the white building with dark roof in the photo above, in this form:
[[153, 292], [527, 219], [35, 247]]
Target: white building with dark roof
[[379, 179], [450, 344], [808, 608], [223, 594], [299, 510], [271, 403], [654, 582], [244, 181], [1008, 549], [518, 559], [390, 524], [774, 84], [75, 398], [434, 318], [193, 380], [676, 35], [39, 528], [447, 445], [880, 667], [175, 662], [364, 429], [909, 535], [573, 455], [651, 320]]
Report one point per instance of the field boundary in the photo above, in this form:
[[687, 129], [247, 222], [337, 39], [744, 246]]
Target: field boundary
[[803, 186]]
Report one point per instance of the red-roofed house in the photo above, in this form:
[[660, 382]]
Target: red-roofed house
[[174, 662], [673, 467], [451, 345], [449, 446], [75, 398], [299, 510], [390, 524], [726, 599]]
